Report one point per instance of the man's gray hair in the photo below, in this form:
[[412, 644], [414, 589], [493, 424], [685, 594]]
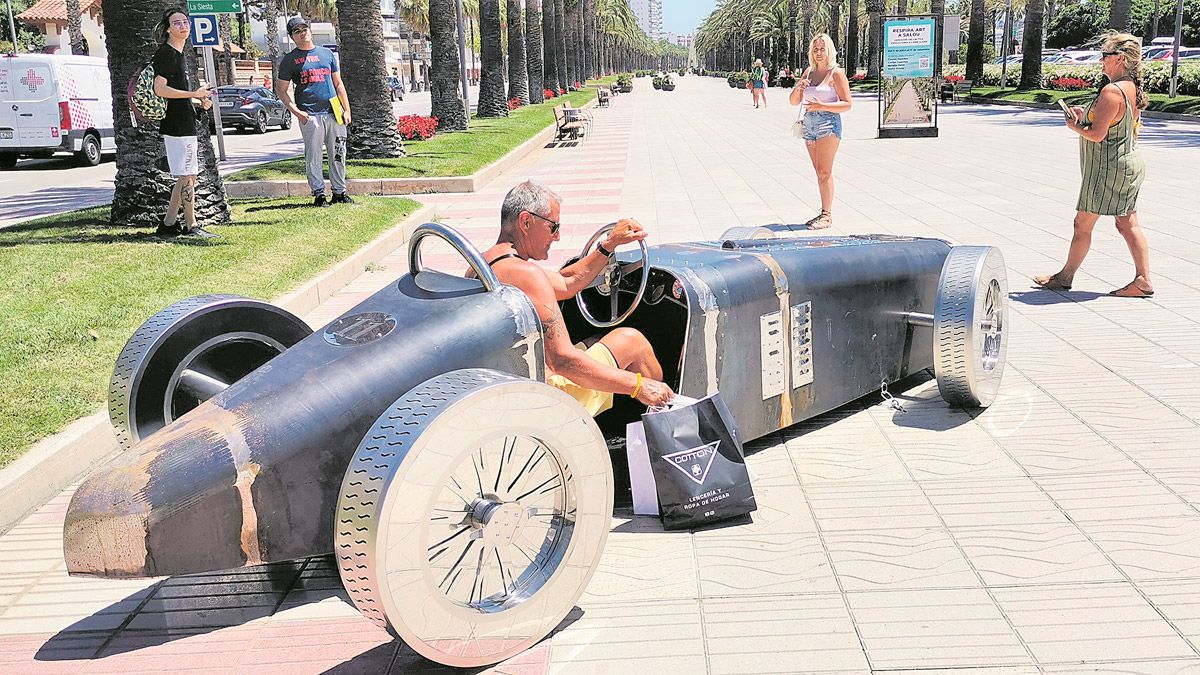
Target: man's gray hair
[[529, 196]]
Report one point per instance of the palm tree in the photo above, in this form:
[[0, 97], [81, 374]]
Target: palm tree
[[533, 52], [491, 83], [518, 68], [560, 42], [1031, 45], [74, 29], [444, 70], [938, 9], [415, 15], [1118, 15], [874, 11], [549, 45], [573, 43], [267, 11], [142, 190], [975, 40], [373, 129], [225, 30], [592, 62]]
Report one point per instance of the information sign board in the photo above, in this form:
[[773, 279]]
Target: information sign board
[[214, 6], [908, 82]]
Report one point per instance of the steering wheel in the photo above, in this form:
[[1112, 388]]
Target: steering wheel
[[608, 282]]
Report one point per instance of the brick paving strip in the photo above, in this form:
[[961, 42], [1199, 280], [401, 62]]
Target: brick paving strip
[[1055, 532]]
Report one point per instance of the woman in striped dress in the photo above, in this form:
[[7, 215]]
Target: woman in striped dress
[[1113, 169]]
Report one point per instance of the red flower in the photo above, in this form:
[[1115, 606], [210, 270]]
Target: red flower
[[416, 127], [549, 93], [514, 103], [857, 77], [1070, 83], [954, 78]]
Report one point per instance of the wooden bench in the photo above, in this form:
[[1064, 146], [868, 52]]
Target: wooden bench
[[564, 126], [602, 97], [955, 91], [579, 115]]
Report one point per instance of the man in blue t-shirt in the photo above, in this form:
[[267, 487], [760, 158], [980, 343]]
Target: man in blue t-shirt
[[320, 105]]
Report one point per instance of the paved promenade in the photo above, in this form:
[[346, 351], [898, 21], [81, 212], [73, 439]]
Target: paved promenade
[[1056, 532]]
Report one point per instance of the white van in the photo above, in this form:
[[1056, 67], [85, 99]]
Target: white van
[[51, 104]]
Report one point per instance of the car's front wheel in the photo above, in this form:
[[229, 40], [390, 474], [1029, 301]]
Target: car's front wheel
[[286, 122], [8, 160], [473, 515]]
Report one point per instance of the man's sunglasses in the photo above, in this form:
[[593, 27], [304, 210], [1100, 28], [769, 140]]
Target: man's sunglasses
[[555, 225], [301, 29]]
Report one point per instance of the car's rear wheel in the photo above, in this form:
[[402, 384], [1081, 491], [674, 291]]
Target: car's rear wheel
[[89, 151], [8, 160], [473, 515], [286, 122], [188, 352], [970, 326], [260, 122]]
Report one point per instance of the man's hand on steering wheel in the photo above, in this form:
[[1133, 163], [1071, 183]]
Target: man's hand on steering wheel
[[624, 231]]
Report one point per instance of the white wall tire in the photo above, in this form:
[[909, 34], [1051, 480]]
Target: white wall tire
[[473, 515], [970, 326]]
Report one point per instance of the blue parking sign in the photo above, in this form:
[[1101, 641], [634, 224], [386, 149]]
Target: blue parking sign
[[204, 30]]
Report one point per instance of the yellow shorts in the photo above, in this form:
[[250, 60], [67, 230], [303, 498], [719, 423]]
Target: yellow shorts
[[594, 401]]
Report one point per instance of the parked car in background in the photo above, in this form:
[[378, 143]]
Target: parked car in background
[[1012, 58], [1076, 57], [1168, 53], [253, 108], [53, 104], [395, 88]]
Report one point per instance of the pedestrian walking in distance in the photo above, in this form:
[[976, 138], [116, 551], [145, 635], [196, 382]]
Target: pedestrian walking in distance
[[320, 105], [758, 83], [824, 91], [1113, 169], [178, 128]]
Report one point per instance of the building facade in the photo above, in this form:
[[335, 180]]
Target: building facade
[[649, 16], [50, 16]]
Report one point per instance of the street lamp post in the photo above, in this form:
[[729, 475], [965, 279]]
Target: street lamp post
[[1178, 45], [462, 61], [1004, 44], [12, 27]]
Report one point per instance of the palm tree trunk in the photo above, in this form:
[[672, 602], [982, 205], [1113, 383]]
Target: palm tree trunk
[[874, 12], [938, 9], [592, 61], [518, 58], [975, 40], [75, 29], [573, 43], [1119, 14], [373, 131], [270, 16], [533, 49], [549, 45], [1031, 45], [491, 80], [225, 30], [447, 103], [835, 23], [142, 190], [560, 44], [902, 7]]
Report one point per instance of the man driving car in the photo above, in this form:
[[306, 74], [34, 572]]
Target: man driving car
[[620, 362]]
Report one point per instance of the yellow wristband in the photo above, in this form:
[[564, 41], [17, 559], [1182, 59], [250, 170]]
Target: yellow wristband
[[637, 387]]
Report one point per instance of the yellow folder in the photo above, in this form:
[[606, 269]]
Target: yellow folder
[[337, 110]]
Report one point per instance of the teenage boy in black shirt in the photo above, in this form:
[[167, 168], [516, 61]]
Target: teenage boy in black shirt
[[179, 127]]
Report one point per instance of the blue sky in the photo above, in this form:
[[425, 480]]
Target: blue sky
[[683, 16]]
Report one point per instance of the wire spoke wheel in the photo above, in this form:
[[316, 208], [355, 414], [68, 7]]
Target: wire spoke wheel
[[473, 515]]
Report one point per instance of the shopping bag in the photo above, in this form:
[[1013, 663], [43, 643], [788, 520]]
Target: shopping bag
[[641, 476], [696, 458]]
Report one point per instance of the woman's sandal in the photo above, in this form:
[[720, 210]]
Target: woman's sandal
[[1131, 290], [1052, 284], [822, 221]]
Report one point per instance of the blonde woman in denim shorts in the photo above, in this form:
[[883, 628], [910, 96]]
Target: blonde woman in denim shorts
[[825, 93]]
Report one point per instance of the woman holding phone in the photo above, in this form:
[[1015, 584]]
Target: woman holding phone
[[824, 91], [1113, 169]]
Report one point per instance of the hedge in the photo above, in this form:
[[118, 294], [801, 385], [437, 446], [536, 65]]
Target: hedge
[[1156, 75]]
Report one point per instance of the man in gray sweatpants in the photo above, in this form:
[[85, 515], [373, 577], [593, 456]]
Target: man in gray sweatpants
[[320, 106]]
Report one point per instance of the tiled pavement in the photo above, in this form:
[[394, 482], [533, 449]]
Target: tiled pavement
[[1056, 532]]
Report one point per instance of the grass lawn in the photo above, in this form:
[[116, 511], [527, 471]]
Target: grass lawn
[[864, 85], [1186, 105], [75, 289], [455, 153], [607, 79]]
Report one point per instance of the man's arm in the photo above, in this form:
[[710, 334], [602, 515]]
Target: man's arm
[[163, 90], [575, 277], [564, 359], [283, 88], [341, 92]]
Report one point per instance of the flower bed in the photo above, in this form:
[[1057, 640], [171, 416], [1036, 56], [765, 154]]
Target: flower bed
[[416, 127]]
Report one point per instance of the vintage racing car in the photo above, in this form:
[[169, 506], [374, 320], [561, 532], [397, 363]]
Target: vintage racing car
[[467, 501]]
